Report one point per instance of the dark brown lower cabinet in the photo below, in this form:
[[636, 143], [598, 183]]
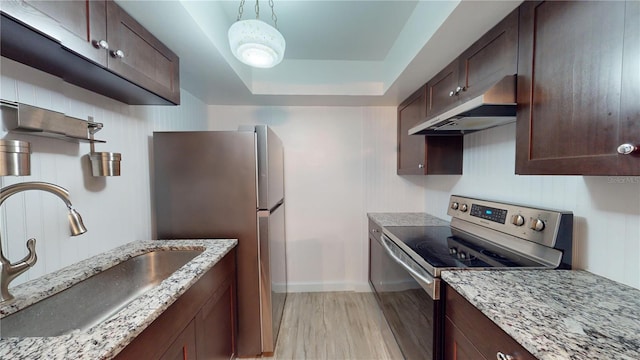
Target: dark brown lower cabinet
[[201, 324], [184, 347], [215, 325], [469, 334]]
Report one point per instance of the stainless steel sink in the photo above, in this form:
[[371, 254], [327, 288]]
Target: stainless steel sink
[[97, 298]]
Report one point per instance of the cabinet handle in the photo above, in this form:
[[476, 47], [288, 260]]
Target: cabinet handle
[[420, 166], [501, 356], [457, 91], [100, 44], [118, 54], [626, 149]]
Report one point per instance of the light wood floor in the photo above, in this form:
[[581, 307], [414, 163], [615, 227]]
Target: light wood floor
[[334, 326]]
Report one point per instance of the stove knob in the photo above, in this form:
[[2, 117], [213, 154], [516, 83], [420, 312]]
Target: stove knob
[[454, 205], [462, 255], [453, 251], [537, 225], [463, 208], [517, 220]]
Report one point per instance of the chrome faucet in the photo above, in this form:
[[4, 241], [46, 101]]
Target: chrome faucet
[[10, 271]]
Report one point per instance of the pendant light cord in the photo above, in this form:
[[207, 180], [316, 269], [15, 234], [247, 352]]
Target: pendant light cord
[[274, 17], [240, 10]]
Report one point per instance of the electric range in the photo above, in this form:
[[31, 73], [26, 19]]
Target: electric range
[[406, 261], [487, 234]]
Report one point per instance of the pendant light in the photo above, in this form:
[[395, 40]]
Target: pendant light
[[256, 43]]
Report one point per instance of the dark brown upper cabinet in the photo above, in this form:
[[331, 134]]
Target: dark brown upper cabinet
[[439, 89], [424, 155], [93, 44], [487, 61], [81, 26], [136, 55], [578, 88]]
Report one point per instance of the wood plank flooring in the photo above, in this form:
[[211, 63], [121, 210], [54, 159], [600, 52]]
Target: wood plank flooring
[[334, 326]]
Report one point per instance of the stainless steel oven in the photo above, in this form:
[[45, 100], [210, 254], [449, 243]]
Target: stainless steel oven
[[409, 298], [406, 261]]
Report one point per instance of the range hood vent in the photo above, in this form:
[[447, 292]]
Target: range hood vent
[[496, 106]]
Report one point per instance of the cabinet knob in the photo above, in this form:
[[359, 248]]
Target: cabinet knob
[[459, 89], [501, 356], [626, 149], [118, 54], [100, 44], [452, 93], [420, 166]]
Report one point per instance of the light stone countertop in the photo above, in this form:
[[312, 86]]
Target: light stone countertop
[[557, 314], [406, 219], [108, 338]]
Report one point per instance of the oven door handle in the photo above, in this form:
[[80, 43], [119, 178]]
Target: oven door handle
[[429, 284]]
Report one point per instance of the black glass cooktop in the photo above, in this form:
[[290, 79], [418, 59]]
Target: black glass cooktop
[[439, 247]]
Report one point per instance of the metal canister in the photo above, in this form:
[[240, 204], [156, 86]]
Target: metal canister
[[15, 158], [105, 163]]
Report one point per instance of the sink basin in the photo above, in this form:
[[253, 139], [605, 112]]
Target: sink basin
[[97, 298]]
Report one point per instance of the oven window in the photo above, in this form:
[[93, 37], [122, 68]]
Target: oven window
[[412, 315]]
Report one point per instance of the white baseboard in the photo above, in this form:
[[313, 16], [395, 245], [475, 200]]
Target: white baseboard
[[327, 287]]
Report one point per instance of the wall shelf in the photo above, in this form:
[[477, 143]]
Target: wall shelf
[[33, 120]]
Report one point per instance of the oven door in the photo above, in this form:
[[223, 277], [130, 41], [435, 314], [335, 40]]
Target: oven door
[[407, 299]]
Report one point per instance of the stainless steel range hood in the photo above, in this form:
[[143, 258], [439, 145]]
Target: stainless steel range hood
[[496, 106]]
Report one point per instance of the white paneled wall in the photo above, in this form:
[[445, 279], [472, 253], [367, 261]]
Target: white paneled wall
[[606, 209], [116, 210], [339, 163]]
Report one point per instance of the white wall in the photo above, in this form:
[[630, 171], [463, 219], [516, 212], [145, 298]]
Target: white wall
[[606, 209], [116, 210], [339, 164]]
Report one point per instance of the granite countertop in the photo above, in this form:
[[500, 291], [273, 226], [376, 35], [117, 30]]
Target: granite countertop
[[557, 314], [406, 219], [108, 338]]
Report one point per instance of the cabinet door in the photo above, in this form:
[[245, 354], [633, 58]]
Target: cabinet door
[[491, 58], [441, 90], [422, 155], [411, 148], [139, 57], [457, 346], [474, 334], [81, 25], [578, 88], [183, 348], [216, 324]]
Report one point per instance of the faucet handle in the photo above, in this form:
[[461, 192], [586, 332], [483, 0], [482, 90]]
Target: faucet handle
[[31, 258], [9, 271]]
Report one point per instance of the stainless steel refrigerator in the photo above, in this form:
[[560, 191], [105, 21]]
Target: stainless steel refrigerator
[[229, 184]]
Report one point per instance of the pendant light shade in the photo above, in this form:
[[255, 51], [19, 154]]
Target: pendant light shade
[[256, 43]]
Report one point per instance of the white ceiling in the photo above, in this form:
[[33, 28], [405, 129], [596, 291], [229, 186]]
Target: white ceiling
[[338, 52]]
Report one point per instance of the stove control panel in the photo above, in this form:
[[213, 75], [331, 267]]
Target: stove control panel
[[488, 213], [542, 226]]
